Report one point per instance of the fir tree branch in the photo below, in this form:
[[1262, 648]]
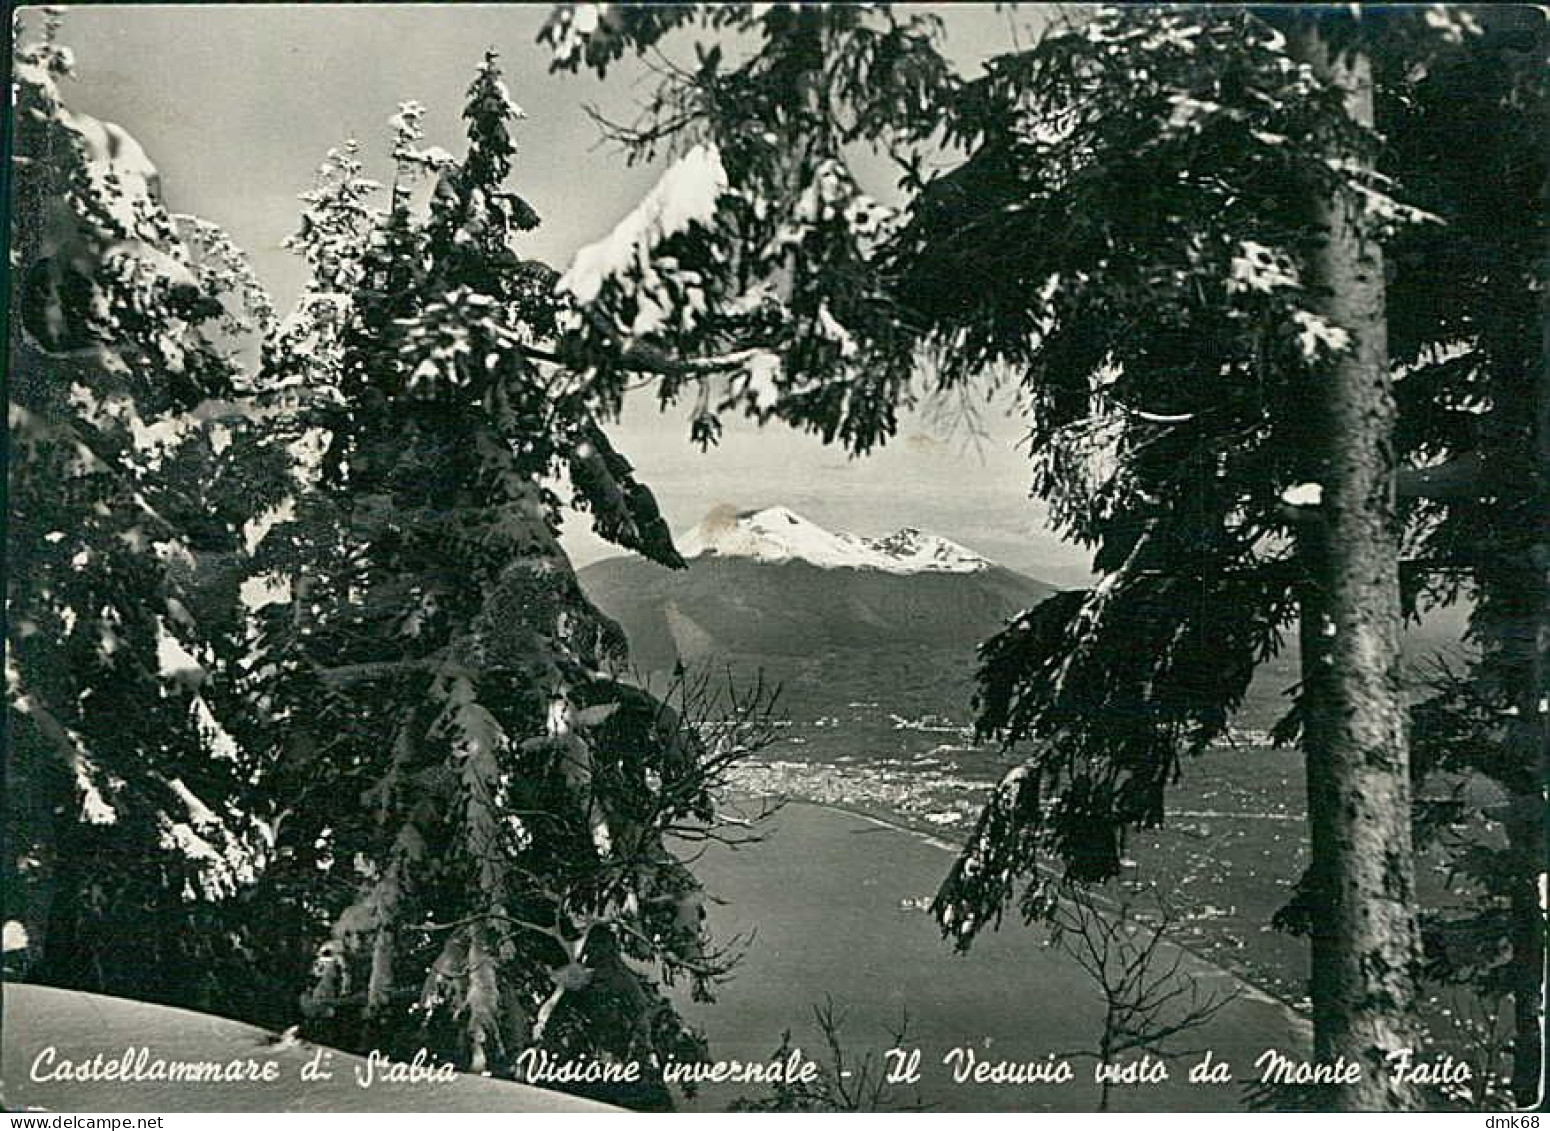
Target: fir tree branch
[[346, 675], [494, 917], [59, 736], [645, 358], [1458, 478]]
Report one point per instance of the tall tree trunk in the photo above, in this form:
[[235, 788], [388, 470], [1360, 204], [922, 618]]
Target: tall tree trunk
[[1512, 623], [1106, 1058], [1529, 737], [1526, 836], [1365, 942]]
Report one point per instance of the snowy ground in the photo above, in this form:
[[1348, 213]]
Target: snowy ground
[[78, 1026]]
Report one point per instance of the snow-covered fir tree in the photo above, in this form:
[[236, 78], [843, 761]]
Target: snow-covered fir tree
[[1470, 330], [1168, 225], [471, 808], [122, 836]]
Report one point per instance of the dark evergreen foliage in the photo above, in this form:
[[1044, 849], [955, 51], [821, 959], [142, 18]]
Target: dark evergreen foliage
[[121, 831], [470, 808], [1133, 238]]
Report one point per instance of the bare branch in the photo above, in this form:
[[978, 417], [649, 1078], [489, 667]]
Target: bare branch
[[644, 357], [1147, 1000]]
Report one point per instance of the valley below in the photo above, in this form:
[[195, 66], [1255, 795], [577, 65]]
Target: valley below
[[832, 906], [829, 909], [876, 779]]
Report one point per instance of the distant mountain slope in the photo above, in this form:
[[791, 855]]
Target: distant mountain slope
[[777, 534], [835, 617], [828, 611], [723, 605]]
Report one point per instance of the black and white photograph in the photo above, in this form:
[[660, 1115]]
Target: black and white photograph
[[798, 557]]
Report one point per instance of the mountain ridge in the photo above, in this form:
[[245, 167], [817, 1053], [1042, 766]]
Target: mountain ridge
[[826, 614], [831, 632], [779, 534]]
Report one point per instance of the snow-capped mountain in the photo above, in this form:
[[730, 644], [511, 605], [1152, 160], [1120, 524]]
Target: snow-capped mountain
[[777, 534], [826, 613], [914, 551]]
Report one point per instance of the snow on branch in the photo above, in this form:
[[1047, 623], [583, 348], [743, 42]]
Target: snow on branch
[[1457, 478], [687, 194], [95, 809]]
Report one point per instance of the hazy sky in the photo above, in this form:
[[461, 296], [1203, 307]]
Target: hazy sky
[[237, 104]]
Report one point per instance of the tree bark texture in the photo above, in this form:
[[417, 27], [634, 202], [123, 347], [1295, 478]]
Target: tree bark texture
[[1529, 739], [1365, 945]]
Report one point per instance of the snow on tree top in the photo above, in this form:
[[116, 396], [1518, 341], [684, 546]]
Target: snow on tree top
[[778, 534], [687, 194]]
